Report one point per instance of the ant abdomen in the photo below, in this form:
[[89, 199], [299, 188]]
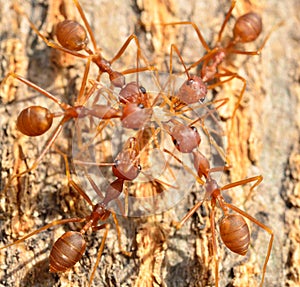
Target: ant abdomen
[[235, 233], [67, 251], [247, 27], [34, 121], [71, 35]]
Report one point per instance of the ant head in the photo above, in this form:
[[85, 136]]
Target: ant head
[[185, 138], [124, 170], [132, 93], [192, 90]]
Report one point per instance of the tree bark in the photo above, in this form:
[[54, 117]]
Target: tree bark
[[264, 141]]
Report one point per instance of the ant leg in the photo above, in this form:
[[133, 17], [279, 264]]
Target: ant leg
[[93, 184], [214, 243], [35, 87], [81, 99], [179, 224], [226, 20], [208, 132], [84, 147], [126, 253], [139, 54], [264, 227], [71, 182], [101, 248], [175, 48], [199, 180], [47, 226], [205, 59], [49, 143], [195, 27], [257, 178], [86, 23], [216, 146], [231, 76]]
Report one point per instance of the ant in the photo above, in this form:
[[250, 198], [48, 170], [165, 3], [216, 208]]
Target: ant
[[36, 120], [247, 29], [70, 247], [233, 228], [73, 38]]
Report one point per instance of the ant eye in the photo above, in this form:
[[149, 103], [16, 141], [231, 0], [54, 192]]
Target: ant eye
[[194, 129], [189, 82], [143, 90], [175, 142], [116, 163], [141, 106], [139, 167]]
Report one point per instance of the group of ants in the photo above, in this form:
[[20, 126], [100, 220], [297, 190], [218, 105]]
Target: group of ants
[[136, 111]]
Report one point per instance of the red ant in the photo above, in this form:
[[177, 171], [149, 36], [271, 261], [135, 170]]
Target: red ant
[[70, 247], [247, 29], [73, 38], [37, 120], [234, 230]]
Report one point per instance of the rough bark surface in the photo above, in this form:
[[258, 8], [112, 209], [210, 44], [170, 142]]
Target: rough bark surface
[[265, 140]]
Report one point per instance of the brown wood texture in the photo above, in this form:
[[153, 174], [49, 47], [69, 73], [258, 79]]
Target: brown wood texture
[[264, 141]]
